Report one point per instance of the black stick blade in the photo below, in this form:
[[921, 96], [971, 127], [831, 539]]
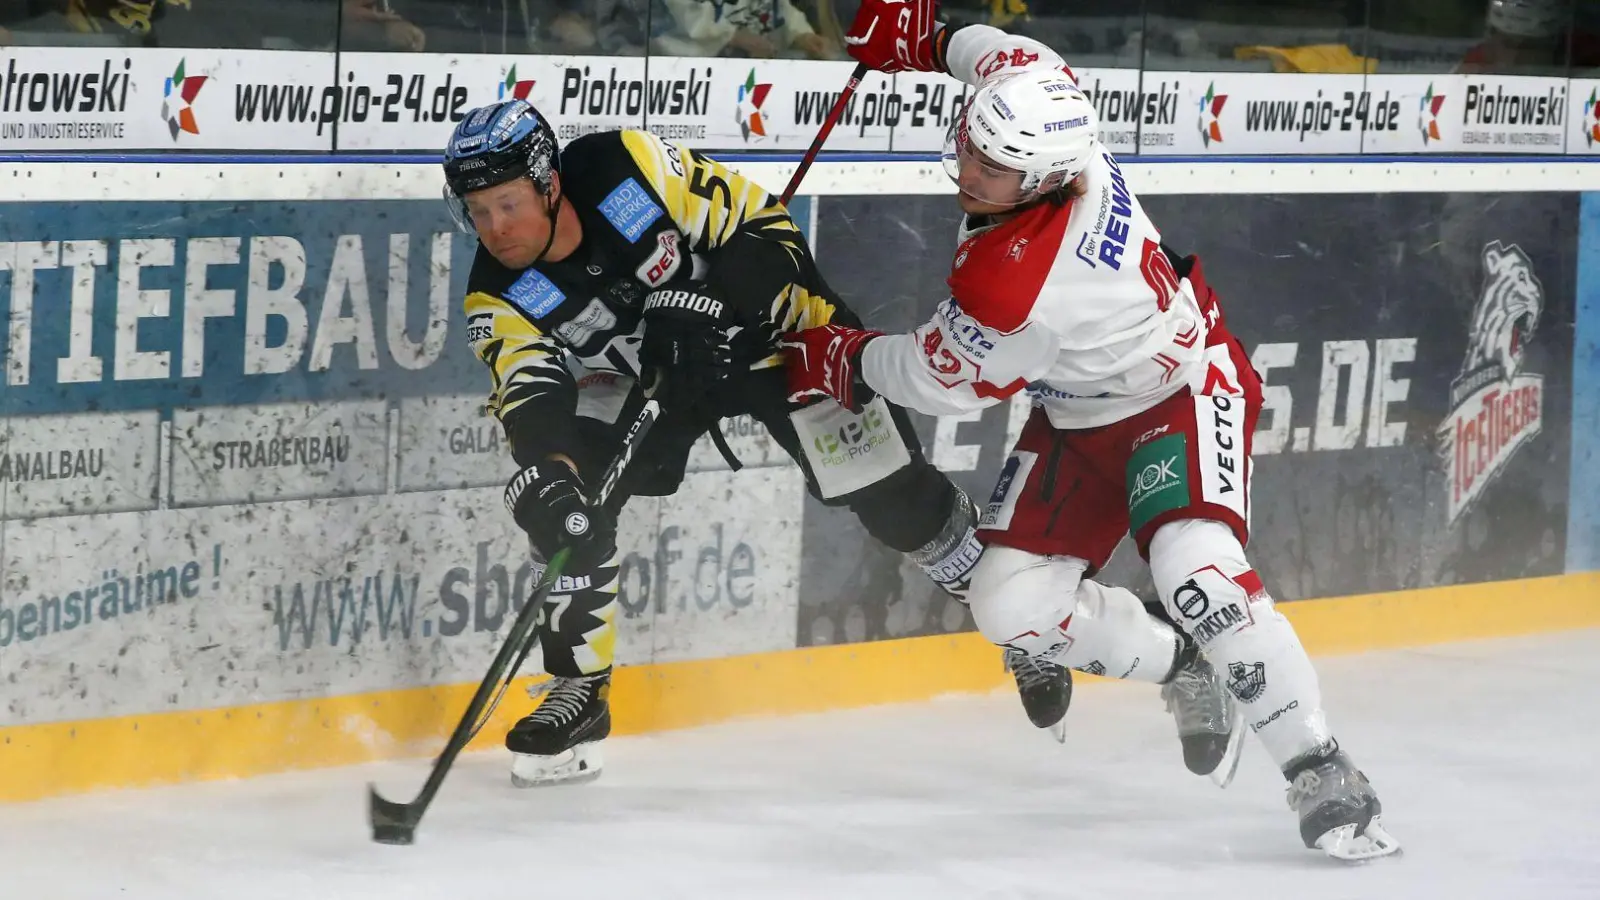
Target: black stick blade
[[392, 823]]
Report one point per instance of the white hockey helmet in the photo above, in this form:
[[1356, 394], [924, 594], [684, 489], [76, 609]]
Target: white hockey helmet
[[1528, 18], [1021, 136]]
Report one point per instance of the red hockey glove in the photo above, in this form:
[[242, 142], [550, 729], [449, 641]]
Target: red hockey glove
[[896, 35], [826, 362]]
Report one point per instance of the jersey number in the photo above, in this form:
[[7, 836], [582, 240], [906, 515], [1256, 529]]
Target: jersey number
[[939, 359], [703, 183], [999, 59], [1159, 274]]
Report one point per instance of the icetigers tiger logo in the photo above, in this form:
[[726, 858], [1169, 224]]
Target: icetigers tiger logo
[[1507, 312], [1495, 407]]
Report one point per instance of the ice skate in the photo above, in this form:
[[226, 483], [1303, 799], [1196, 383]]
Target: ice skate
[[1339, 812], [559, 743], [1210, 724], [1046, 691]]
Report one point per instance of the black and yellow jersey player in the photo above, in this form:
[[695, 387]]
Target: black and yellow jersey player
[[627, 255]]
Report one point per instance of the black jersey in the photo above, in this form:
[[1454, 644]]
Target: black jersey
[[653, 214]]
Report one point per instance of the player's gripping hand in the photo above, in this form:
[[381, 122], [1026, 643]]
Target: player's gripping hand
[[896, 35], [826, 362], [685, 350], [549, 503]]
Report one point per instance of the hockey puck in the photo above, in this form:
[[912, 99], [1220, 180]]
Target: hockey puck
[[393, 833]]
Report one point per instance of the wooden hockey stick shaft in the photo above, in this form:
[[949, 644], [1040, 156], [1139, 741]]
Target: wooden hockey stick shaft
[[396, 823], [822, 133]]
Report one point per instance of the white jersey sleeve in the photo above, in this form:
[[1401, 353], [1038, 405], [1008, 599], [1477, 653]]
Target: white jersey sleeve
[[1074, 299], [956, 364], [1076, 302], [977, 53]]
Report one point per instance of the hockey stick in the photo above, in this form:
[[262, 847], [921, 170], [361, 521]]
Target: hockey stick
[[822, 134], [396, 823]]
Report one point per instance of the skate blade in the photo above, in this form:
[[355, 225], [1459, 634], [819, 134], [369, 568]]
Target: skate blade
[[1222, 775], [1059, 731], [580, 765], [1343, 843]]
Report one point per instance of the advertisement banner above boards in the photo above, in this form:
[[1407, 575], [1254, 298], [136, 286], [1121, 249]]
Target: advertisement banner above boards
[[73, 99], [1467, 114], [924, 106], [412, 101], [1255, 112], [1583, 98], [760, 105], [1137, 110], [1426, 114], [1513, 114], [91, 99]]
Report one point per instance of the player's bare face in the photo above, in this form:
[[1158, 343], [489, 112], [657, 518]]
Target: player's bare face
[[512, 220], [986, 187]]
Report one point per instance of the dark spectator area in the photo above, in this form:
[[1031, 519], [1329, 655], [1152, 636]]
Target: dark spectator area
[[1532, 37]]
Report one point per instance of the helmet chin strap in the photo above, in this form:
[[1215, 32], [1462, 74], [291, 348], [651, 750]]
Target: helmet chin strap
[[553, 209], [1005, 207]]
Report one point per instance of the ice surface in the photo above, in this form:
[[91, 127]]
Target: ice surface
[[1482, 752]]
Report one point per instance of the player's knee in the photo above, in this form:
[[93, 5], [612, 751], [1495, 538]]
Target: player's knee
[[1205, 582], [1022, 599], [1177, 545]]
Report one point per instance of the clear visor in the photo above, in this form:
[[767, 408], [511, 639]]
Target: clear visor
[[975, 174], [488, 212], [458, 212]]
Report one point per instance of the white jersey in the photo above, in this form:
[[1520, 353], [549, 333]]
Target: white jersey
[[1077, 304]]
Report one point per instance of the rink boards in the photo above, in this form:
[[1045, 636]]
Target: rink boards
[[250, 516]]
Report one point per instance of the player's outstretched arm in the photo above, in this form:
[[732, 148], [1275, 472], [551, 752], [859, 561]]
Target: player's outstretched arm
[[906, 35], [954, 363], [532, 392]]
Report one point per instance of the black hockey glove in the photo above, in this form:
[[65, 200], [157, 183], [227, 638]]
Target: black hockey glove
[[686, 349], [548, 502]]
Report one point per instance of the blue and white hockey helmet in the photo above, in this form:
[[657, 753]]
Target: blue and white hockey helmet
[[495, 144]]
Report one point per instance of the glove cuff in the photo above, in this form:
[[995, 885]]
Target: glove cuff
[[861, 393], [519, 485], [859, 342], [547, 471], [941, 46]]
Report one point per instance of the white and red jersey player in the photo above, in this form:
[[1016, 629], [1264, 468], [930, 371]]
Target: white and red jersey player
[[1144, 409], [1073, 301]]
